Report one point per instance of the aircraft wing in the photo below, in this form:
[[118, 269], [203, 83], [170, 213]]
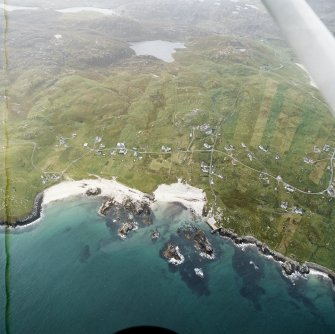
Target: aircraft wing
[[310, 39]]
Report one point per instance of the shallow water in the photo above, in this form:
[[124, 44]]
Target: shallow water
[[71, 273], [162, 50]]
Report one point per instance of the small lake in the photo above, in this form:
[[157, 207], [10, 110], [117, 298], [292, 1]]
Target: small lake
[[74, 10], [162, 50]]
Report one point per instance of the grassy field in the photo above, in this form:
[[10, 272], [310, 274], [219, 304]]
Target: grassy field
[[213, 94]]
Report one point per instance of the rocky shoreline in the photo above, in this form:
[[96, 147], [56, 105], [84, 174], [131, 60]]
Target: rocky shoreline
[[288, 265], [34, 215], [143, 206]]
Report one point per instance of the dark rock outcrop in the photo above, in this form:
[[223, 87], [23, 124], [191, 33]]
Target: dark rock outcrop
[[126, 228], [33, 216], [288, 265], [202, 243], [173, 255], [106, 205], [137, 208], [141, 209], [93, 191]]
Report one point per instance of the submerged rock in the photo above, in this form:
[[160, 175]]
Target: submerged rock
[[155, 235], [148, 220], [85, 254]]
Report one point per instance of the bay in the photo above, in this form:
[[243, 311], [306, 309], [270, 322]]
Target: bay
[[71, 273]]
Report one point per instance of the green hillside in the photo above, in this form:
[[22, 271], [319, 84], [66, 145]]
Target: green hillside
[[238, 116]]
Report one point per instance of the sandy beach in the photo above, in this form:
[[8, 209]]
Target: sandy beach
[[110, 188], [191, 197]]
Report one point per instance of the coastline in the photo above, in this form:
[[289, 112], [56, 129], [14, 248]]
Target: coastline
[[289, 266], [190, 197], [31, 218]]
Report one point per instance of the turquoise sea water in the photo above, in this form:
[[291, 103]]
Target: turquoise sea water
[[70, 273]]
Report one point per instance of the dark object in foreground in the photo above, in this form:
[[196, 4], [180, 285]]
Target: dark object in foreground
[[145, 330]]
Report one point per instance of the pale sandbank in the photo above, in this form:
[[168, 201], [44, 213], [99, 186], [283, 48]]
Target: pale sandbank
[[191, 197]]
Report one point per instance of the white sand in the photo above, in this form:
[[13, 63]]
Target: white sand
[[212, 223], [191, 197], [109, 188]]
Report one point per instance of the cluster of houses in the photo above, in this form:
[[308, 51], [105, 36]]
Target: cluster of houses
[[264, 178], [284, 205], [208, 146], [288, 188], [263, 148], [204, 167], [250, 155], [206, 128], [229, 148], [325, 148], [316, 149], [62, 140], [295, 209], [308, 161], [121, 148], [166, 149], [331, 190], [50, 177]]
